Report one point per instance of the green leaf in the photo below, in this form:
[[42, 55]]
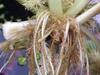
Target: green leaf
[[55, 6], [38, 56], [77, 7], [21, 60]]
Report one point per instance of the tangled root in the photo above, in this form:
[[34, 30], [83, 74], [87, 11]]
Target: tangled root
[[58, 40]]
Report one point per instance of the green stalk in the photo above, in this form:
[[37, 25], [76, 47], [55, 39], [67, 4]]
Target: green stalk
[[76, 7], [55, 6]]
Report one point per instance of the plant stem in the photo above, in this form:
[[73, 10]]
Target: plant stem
[[77, 7], [88, 14], [55, 6]]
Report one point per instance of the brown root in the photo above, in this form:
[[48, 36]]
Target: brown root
[[58, 40]]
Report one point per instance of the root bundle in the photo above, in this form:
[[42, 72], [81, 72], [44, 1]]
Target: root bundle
[[58, 40]]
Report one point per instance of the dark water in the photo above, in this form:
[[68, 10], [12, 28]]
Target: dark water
[[13, 10]]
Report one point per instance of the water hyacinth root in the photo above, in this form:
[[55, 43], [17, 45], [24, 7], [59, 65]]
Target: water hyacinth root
[[64, 35]]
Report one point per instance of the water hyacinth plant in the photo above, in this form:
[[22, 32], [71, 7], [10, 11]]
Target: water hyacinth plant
[[56, 39]]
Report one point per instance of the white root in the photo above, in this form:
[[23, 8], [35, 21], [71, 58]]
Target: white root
[[81, 57], [87, 64], [62, 48], [45, 36], [34, 42], [40, 20], [45, 18], [45, 48]]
